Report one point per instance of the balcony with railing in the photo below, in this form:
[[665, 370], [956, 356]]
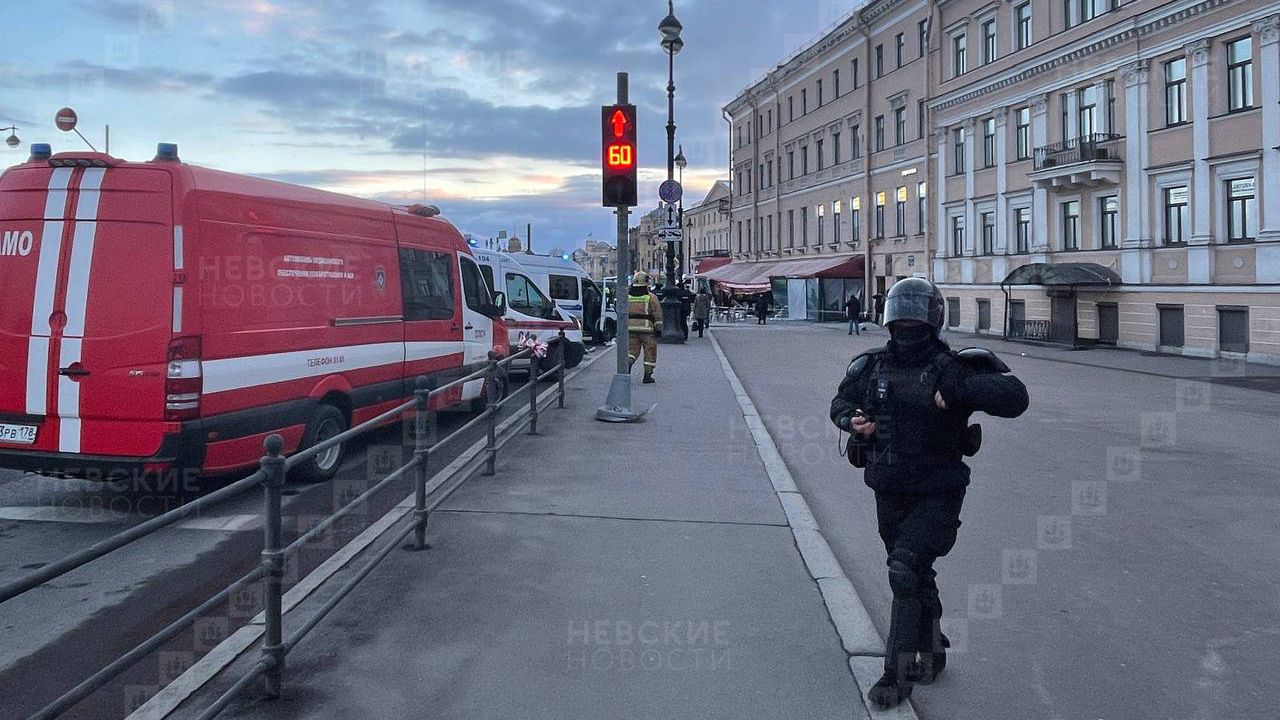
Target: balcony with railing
[[1086, 161]]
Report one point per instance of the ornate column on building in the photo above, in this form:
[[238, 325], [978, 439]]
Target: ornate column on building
[[970, 244], [998, 264], [1040, 197], [1135, 261], [1268, 30], [1199, 255], [939, 192]]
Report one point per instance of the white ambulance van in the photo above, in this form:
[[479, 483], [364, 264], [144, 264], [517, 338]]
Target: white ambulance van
[[530, 312]]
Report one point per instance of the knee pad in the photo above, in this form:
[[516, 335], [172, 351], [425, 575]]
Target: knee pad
[[904, 578]]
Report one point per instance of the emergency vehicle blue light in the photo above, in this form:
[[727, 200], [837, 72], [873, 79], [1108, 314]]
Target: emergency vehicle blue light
[[167, 151], [41, 151], [472, 242], [564, 257]]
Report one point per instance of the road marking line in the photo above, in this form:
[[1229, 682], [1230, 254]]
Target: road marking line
[[848, 613], [171, 696]]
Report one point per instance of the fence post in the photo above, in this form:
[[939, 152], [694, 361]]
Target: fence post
[[423, 432], [491, 440], [560, 353], [534, 372], [273, 563]]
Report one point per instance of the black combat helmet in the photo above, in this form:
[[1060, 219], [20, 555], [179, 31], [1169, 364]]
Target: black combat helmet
[[914, 299]]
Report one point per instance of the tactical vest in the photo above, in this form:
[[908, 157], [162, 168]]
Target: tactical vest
[[911, 429], [638, 317]]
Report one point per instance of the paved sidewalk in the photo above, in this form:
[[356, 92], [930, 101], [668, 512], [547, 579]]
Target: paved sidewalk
[[607, 571]]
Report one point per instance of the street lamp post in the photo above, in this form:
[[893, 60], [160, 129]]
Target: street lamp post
[[12, 141], [685, 255], [670, 28]]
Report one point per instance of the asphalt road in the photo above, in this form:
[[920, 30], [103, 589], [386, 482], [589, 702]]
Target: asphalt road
[[60, 633], [1120, 543]]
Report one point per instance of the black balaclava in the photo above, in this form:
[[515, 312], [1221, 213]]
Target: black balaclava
[[911, 341]]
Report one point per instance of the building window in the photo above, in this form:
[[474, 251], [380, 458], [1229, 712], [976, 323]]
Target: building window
[[900, 211], [957, 236], [1022, 229], [804, 101], [879, 63], [770, 119], [768, 219], [922, 30], [1172, 325], [1233, 329], [900, 49], [855, 219], [818, 150], [819, 92], [791, 165], [988, 233], [1175, 92], [922, 206], [1241, 210], [1070, 13], [739, 236], [855, 142], [984, 314], [1240, 74], [1022, 139], [768, 168], [1109, 214], [879, 133], [791, 228], [835, 223], [989, 48], [822, 213], [957, 150], [791, 108], [804, 227], [1023, 34], [1087, 111], [835, 82], [899, 126], [1071, 225], [953, 312], [989, 142], [1176, 215], [921, 120], [835, 148], [804, 160], [958, 52], [853, 73], [880, 201]]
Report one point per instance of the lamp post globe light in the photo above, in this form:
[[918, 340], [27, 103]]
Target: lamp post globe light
[[12, 141], [670, 27]]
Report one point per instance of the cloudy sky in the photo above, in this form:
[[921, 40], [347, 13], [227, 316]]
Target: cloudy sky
[[497, 100]]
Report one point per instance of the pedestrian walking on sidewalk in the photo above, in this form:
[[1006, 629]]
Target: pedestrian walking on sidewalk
[[907, 407], [762, 308], [702, 310], [644, 323], [686, 307], [853, 309]]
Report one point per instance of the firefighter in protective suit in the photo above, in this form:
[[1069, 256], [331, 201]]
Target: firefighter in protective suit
[[907, 408], [644, 323]]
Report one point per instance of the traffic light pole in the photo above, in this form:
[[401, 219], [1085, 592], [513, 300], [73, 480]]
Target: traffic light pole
[[617, 406]]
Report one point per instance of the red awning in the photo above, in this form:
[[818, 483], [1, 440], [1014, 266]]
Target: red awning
[[707, 264], [754, 276]]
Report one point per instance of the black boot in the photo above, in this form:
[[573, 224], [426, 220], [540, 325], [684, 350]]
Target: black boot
[[932, 643], [648, 378], [889, 691]]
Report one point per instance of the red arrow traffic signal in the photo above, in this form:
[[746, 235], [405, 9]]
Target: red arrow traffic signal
[[618, 155]]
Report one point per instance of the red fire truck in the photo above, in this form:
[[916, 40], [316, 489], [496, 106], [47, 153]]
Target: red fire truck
[[158, 316]]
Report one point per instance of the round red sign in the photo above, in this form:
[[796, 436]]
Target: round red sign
[[66, 119]]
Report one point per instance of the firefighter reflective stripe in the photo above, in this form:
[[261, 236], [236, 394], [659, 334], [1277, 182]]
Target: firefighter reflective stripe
[[82, 251], [55, 209]]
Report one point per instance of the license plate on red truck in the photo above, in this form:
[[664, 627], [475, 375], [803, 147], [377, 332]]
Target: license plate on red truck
[[17, 434]]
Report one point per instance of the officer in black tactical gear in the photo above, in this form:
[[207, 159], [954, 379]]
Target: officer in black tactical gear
[[907, 407]]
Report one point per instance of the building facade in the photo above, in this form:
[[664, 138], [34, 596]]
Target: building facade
[[1108, 172], [599, 259], [830, 162], [706, 225], [647, 252]]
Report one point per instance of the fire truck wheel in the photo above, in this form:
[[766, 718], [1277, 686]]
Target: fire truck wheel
[[327, 422]]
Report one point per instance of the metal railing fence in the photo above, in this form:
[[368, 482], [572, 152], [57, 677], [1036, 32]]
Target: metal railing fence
[[274, 467]]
